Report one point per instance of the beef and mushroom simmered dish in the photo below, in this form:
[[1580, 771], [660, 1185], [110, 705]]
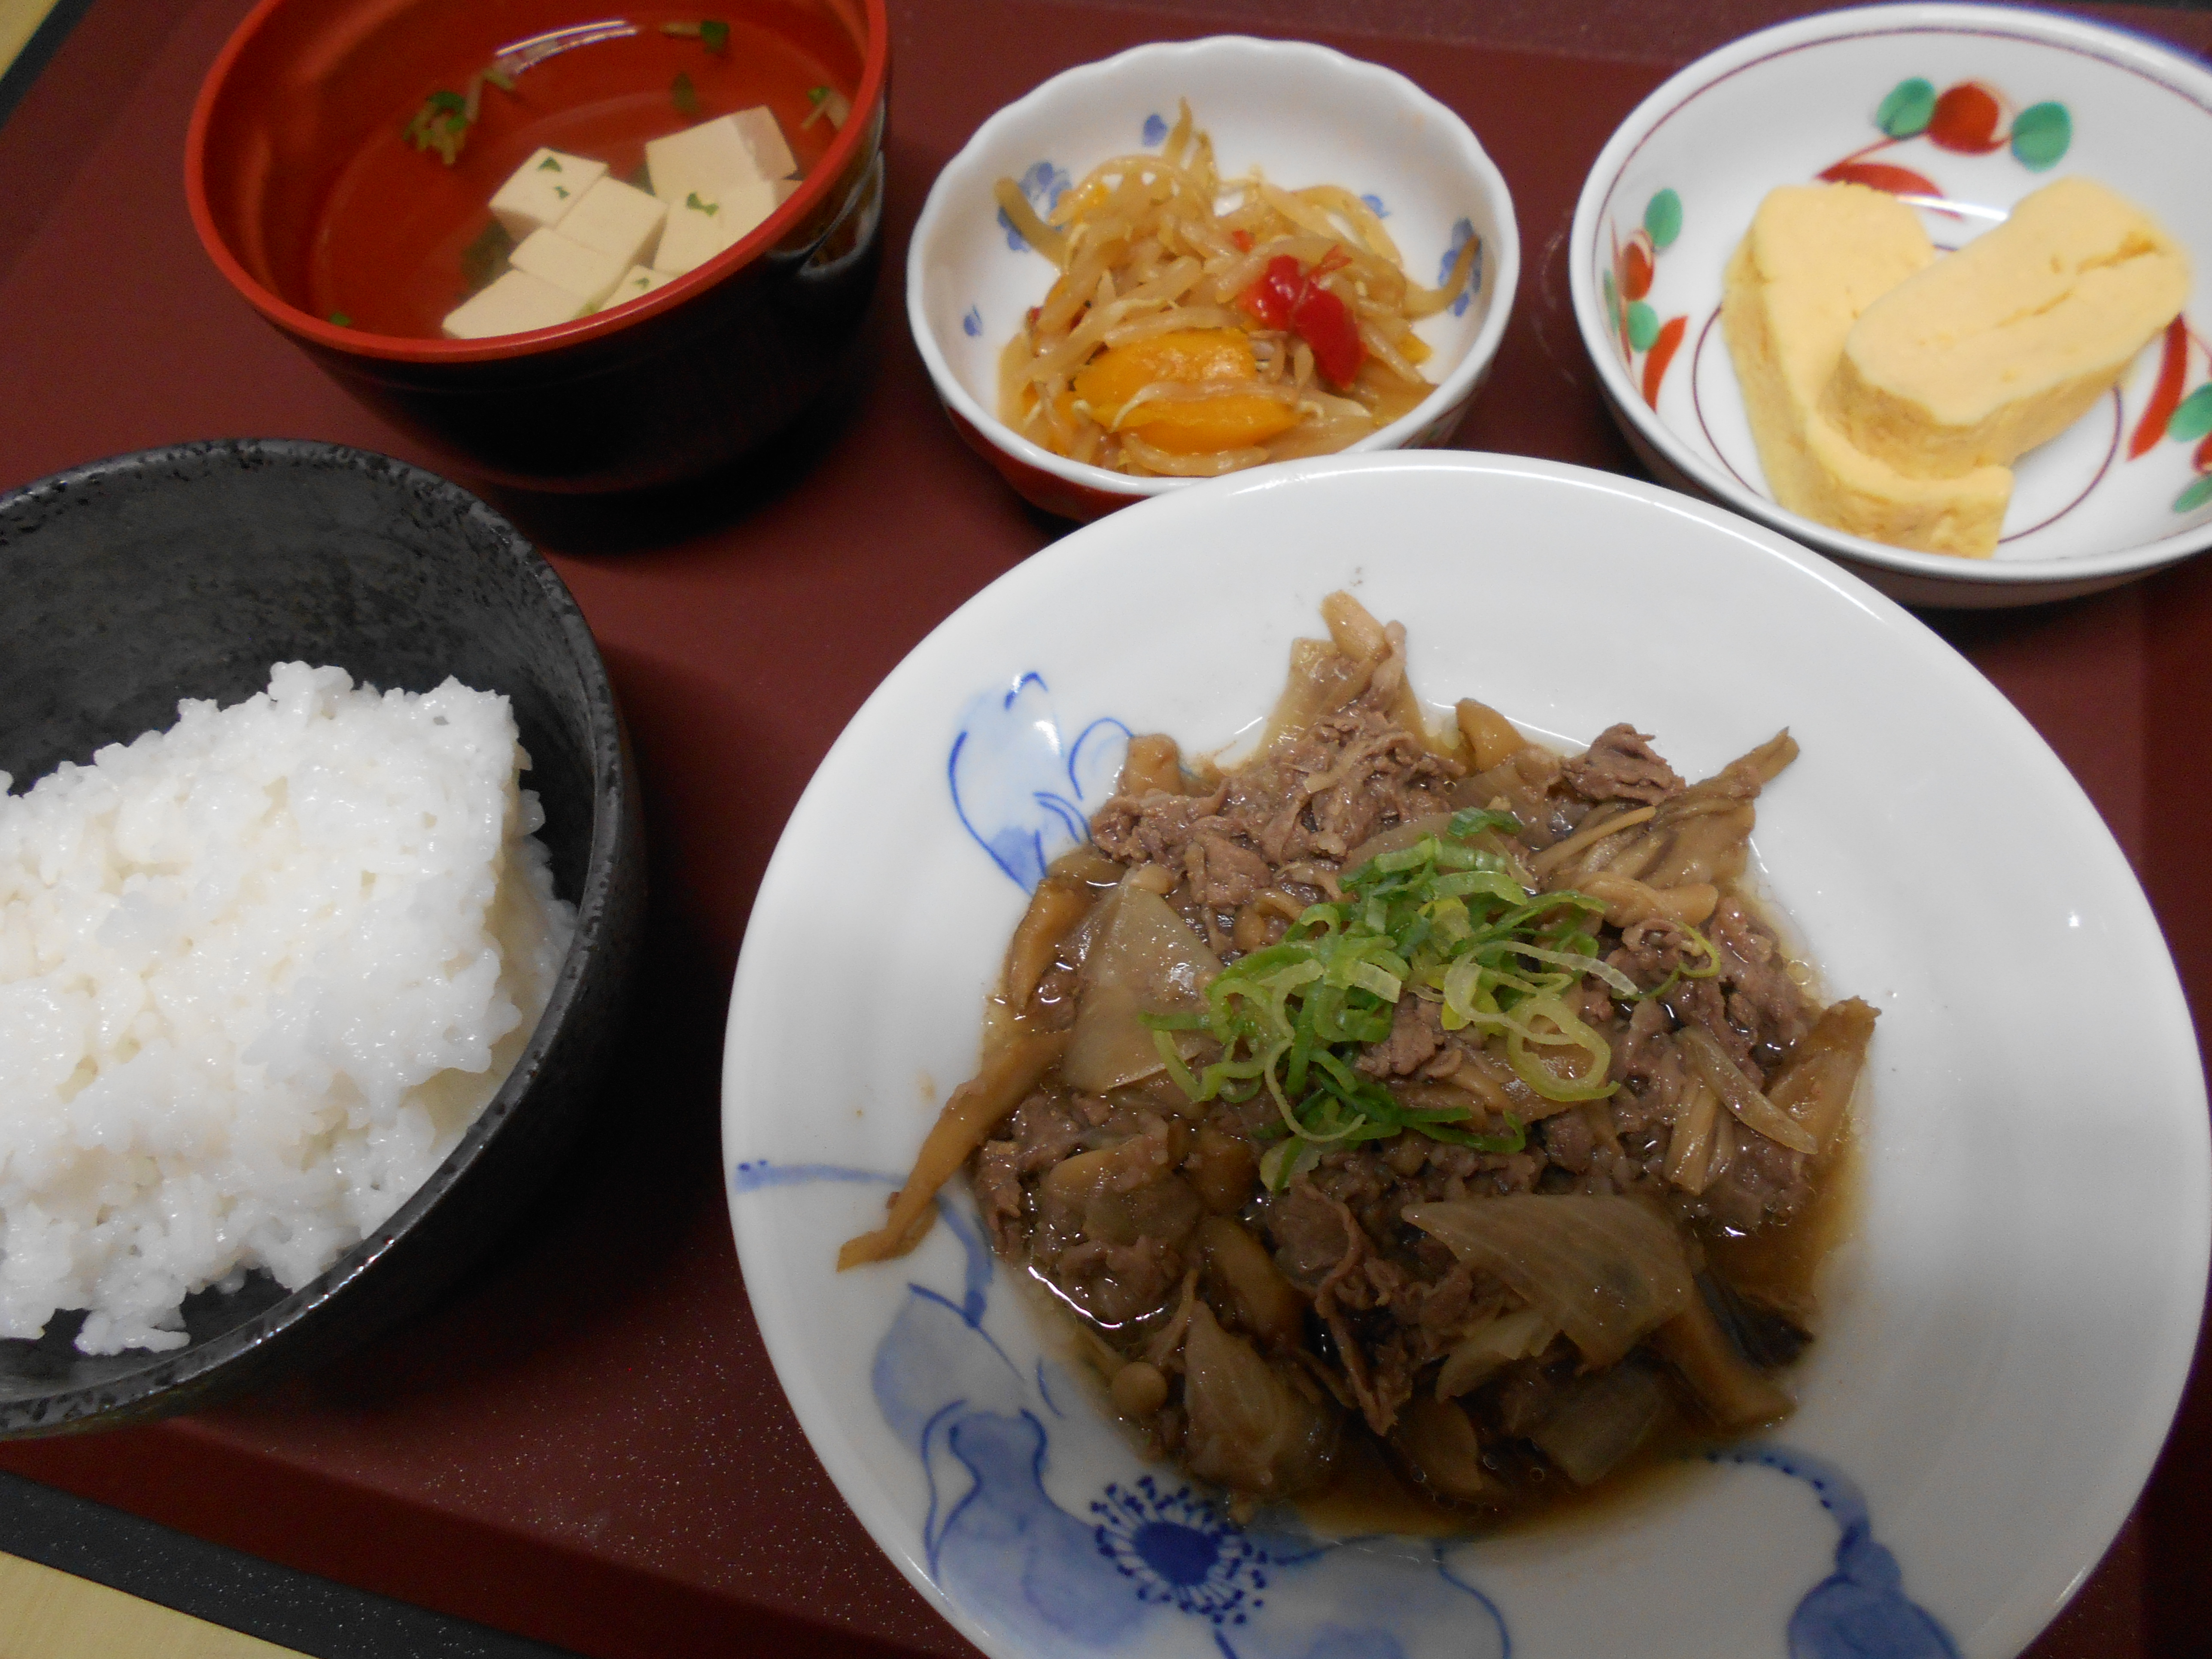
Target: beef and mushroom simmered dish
[[1407, 1099]]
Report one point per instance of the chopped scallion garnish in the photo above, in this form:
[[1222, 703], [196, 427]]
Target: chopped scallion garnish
[[711, 33], [830, 105], [443, 122], [442, 125], [1446, 919]]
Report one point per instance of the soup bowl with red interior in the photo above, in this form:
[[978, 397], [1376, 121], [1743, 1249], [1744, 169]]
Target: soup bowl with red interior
[[340, 166]]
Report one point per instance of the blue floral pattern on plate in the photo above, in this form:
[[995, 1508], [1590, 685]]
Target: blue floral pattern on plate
[[1176, 1547], [1117, 1574], [1043, 183], [1860, 1610], [1155, 130], [1024, 792], [972, 323], [1463, 233], [1138, 1563], [1374, 205], [1121, 1572]]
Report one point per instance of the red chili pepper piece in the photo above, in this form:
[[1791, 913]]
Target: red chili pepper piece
[[1286, 296], [1243, 238], [1271, 300], [1324, 322]]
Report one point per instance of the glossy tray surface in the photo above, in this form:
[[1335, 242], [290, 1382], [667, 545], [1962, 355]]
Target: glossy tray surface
[[585, 1444]]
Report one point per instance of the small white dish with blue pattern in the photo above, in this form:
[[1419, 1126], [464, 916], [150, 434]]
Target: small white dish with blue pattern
[[1302, 114]]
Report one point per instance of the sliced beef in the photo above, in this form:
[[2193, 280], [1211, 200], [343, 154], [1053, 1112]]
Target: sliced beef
[[998, 1180], [1646, 1060], [1762, 997], [1223, 873], [1153, 828], [1048, 1128], [1416, 1033], [1621, 765], [1764, 1183], [1345, 776], [1308, 1234], [1568, 1142], [1701, 1002], [1118, 1283], [1644, 1049], [1651, 951], [1378, 1365]]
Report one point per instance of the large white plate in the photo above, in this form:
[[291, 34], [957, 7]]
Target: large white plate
[[2007, 1334]]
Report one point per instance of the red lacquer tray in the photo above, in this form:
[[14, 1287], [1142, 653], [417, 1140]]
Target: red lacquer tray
[[586, 1444]]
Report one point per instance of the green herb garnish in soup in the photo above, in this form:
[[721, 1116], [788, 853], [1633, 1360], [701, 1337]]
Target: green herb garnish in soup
[[590, 219], [711, 33]]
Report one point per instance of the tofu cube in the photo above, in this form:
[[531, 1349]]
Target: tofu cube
[[731, 148], [706, 221], [637, 282], [541, 191], [617, 219], [513, 303], [586, 272], [764, 136]]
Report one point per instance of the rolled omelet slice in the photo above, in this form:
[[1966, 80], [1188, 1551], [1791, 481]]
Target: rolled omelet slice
[[2005, 343], [1816, 258]]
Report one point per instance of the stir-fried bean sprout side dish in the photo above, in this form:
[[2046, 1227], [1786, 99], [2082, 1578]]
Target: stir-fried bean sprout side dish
[[1411, 1102], [1189, 338]]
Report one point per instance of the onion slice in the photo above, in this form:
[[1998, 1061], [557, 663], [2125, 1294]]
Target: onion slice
[[1815, 1083], [1742, 1097], [1605, 1270]]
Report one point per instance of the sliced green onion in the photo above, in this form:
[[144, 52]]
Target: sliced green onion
[[1585, 963], [1280, 1165], [1444, 920], [1471, 821]]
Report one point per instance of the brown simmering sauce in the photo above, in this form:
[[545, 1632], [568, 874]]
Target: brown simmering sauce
[[1421, 1128]]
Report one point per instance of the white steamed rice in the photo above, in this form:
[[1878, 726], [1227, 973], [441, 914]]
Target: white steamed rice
[[257, 974]]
